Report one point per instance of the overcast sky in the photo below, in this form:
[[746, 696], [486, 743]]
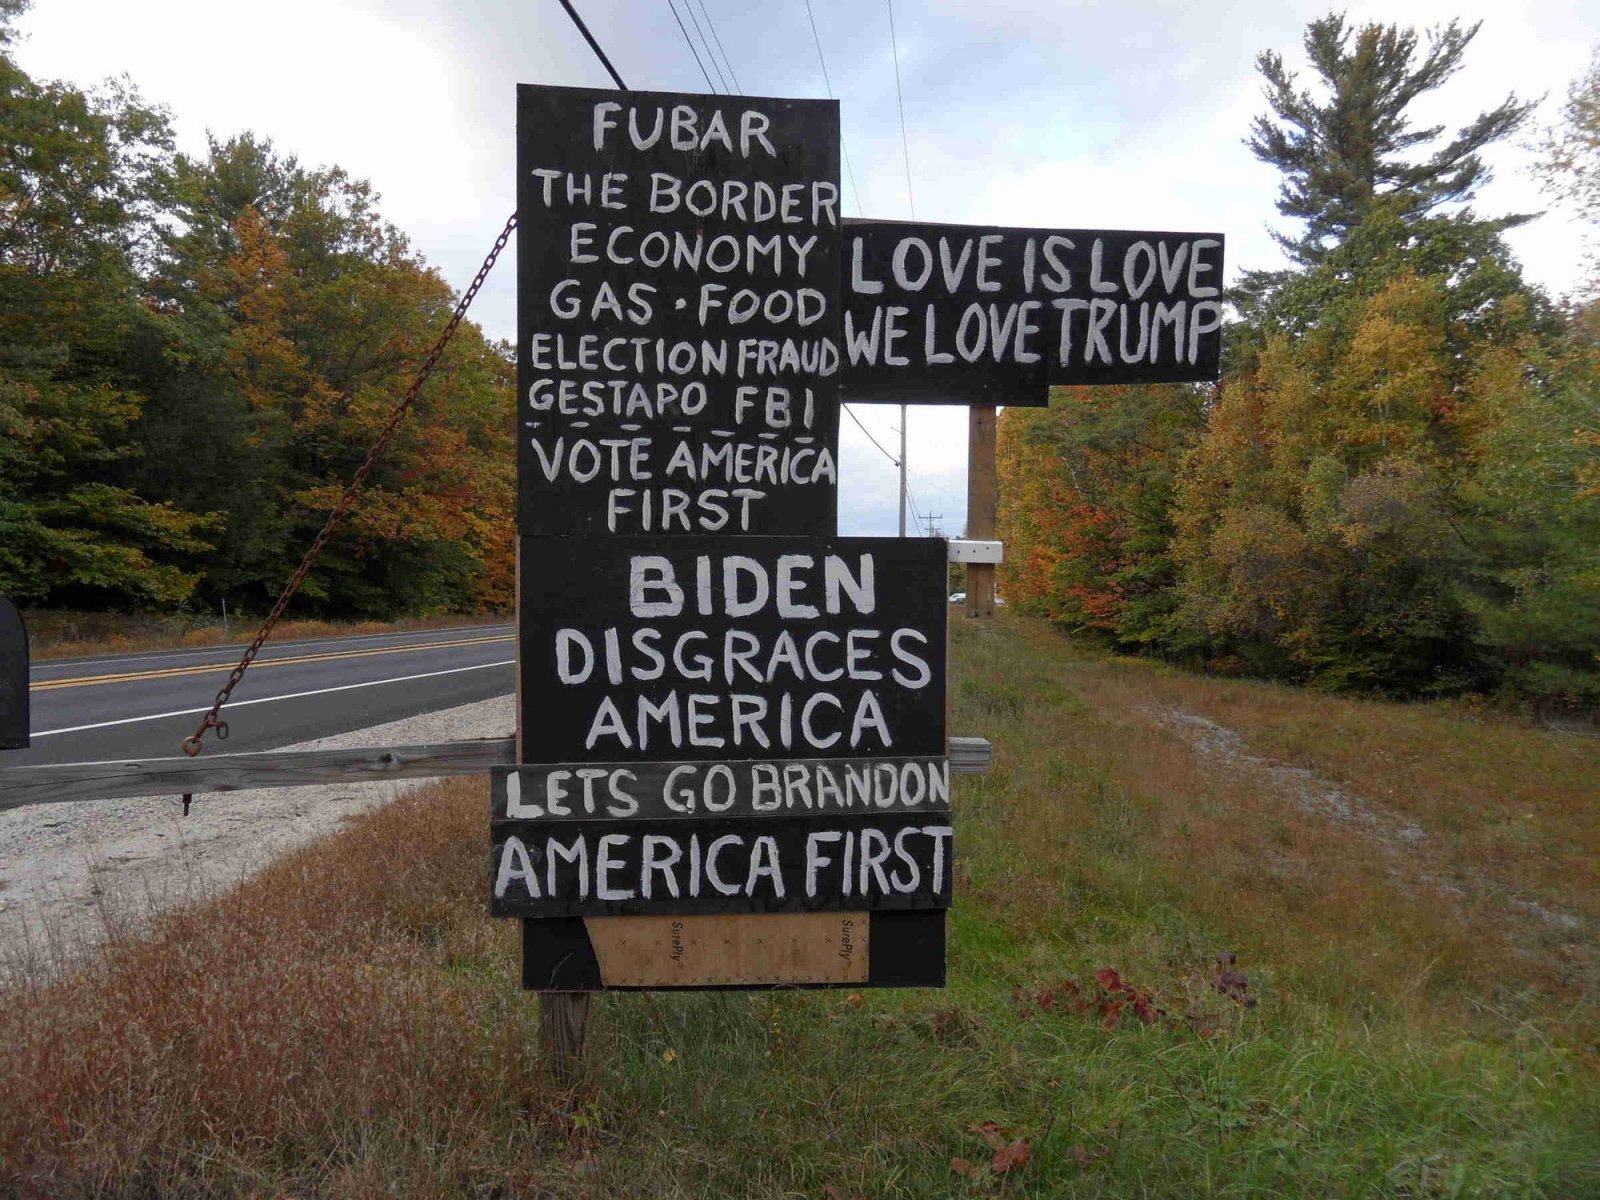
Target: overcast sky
[[1018, 112]]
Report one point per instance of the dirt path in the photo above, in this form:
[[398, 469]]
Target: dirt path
[[72, 875], [1415, 858]]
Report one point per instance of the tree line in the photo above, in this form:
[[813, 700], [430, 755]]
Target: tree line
[[1396, 485], [196, 353]]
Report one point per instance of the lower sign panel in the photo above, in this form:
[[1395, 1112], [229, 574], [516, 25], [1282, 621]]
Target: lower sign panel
[[838, 949], [738, 865]]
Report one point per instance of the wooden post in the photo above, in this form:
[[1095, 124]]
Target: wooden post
[[983, 505], [563, 1030], [563, 1016]]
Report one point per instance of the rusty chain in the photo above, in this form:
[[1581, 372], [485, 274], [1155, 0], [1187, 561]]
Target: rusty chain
[[192, 743]]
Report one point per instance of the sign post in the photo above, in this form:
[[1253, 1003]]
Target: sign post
[[983, 505]]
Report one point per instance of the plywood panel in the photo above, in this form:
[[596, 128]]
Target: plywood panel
[[749, 949]]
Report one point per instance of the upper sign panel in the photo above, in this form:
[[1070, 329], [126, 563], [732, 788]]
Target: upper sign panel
[[677, 315], [969, 314]]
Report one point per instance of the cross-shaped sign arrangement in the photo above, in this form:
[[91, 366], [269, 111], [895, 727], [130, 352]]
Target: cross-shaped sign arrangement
[[731, 720]]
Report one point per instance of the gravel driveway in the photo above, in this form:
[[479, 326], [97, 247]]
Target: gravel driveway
[[72, 875]]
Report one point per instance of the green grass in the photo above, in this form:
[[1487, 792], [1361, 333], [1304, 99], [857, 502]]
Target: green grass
[[1411, 1035]]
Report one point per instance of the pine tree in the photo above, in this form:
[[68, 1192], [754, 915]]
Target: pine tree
[[1342, 154]]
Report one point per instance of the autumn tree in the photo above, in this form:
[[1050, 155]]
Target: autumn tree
[[1570, 161], [303, 315], [82, 178], [1386, 495], [1086, 509], [195, 355]]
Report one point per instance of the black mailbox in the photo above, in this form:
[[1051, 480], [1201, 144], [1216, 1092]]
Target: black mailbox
[[13, 677]]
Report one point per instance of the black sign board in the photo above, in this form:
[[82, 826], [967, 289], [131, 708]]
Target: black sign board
[[719, 865], [703, 649], [13, 677], [974, 315], [678, 318]]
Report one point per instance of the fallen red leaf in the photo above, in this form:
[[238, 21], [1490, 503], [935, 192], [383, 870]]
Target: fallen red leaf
[[1014, 1155], [964, 1168], [989, 1132]]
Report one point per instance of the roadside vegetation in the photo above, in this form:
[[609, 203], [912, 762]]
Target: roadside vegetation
[[1211, 937], [1395, 489], [197, 351]]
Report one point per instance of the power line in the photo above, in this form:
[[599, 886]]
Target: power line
[[593, 45], [851, 414], [911, 198], [828, 84], [687, 41], [606, 62], [905, 147], [706, 42], [915, 507], [709, 25]]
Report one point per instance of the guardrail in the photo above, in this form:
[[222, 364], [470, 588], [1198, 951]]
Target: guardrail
[[65, 783]]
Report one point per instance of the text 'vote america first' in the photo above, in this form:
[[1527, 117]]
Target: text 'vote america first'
[[965, 311], [678, 355], [780, 864], [717, 648]]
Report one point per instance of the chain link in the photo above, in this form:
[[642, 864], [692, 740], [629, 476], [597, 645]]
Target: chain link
[[192, 743]]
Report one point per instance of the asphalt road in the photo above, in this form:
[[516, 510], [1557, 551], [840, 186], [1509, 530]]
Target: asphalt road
[[143, 705]]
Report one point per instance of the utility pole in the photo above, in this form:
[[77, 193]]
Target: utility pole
[[982, 506], [931, 518], [902, 470]]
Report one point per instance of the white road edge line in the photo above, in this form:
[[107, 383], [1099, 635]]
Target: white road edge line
[[345, 687]]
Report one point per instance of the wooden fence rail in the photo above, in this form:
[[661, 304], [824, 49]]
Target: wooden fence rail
[[60, 783]]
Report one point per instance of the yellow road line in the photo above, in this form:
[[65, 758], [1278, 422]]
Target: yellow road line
[[171, 672]]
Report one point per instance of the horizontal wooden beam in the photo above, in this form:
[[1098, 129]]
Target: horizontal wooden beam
[[58, 783], [61, 783]]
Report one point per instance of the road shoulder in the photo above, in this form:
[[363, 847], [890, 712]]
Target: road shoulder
[[74, 875]]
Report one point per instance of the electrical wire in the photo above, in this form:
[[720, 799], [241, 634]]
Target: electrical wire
[[593, 45], [606, 62], [706, 42], [905, 147], [851, 414], [725, 60], [828, 84], [689, 42], [916, 516]]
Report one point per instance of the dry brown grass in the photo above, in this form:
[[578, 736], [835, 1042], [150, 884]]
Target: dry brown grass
[[289, 1029], [79, 635]]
